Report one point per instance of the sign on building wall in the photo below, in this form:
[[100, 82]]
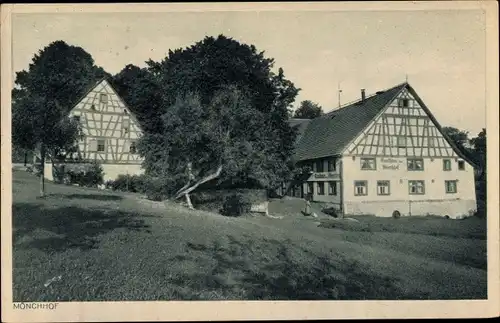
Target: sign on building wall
[[391, 163]]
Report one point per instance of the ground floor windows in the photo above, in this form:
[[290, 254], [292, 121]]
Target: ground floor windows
[[360, 188], [383, 188], [416, 187], [450, 186], [310, 188], [321, 188], [332, 188]]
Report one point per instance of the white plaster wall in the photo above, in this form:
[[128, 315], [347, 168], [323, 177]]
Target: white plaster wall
[[434, 201], [325, 176]]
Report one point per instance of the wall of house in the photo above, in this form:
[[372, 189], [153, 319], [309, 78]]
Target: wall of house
[[434, 200], [110, 130], [324, 176]]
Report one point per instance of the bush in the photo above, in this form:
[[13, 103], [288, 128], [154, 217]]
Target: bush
[[159, 188], [213, 199], [331, 211], [89, 175], [236, 204], [128, 183]]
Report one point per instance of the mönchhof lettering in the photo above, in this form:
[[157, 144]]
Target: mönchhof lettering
[[35, 306]]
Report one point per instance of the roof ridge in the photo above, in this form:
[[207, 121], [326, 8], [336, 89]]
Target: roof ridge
[[348, 104]]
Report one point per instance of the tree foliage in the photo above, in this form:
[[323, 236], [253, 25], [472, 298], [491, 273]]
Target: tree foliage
[[223, 107], [308, 110], [58, 75], [141, 90]]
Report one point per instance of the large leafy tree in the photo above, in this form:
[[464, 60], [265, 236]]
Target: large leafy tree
[[461, 139], [141, 90], [45, 93], [226, 117], [308, 110]]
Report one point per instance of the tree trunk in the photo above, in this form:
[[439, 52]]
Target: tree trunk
[[25, 157], [198, 183], [42, 174], [188, 201]]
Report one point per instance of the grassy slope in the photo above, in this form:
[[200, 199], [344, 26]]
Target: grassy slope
[[109, 246]]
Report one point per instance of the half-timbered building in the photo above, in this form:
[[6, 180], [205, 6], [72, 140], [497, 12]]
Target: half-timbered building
[[384, 153], [110, 133]]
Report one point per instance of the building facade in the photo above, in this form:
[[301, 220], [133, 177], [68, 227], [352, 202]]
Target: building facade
[[382, 154], [110, 133]]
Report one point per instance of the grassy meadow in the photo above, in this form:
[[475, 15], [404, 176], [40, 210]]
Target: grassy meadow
[[89, 245]]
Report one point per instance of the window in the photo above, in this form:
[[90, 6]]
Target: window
[[404, 103], [331, 165], [310, 188], [461, 165], [103, 98], [76, 118], [451, 186], [126, 125], [92, 107], [319, 166], [416, 187], [416, 164], [321, 188], [446, 164], [332, 188], [360, 188], [383, 188], [133, 147], [430, 142], [101, 145], [401, 141], [368, 164]]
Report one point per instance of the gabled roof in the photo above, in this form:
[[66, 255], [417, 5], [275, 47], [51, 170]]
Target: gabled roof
[[329, 134], [92, 86]]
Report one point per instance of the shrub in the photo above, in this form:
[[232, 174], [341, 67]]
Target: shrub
[[158, 188], [236, 204], [128, 183], [396, 214], [331, 211], [89, 175]]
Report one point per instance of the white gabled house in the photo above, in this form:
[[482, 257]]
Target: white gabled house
[[381, 154], [110, 133]]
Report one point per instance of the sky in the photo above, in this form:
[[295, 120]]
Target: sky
[[440, 53]]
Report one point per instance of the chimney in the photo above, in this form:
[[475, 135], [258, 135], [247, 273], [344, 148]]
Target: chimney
[[363, 96]]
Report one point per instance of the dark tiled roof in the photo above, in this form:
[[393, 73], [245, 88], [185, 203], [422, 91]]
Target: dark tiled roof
[[300, 125], [329, 134]]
